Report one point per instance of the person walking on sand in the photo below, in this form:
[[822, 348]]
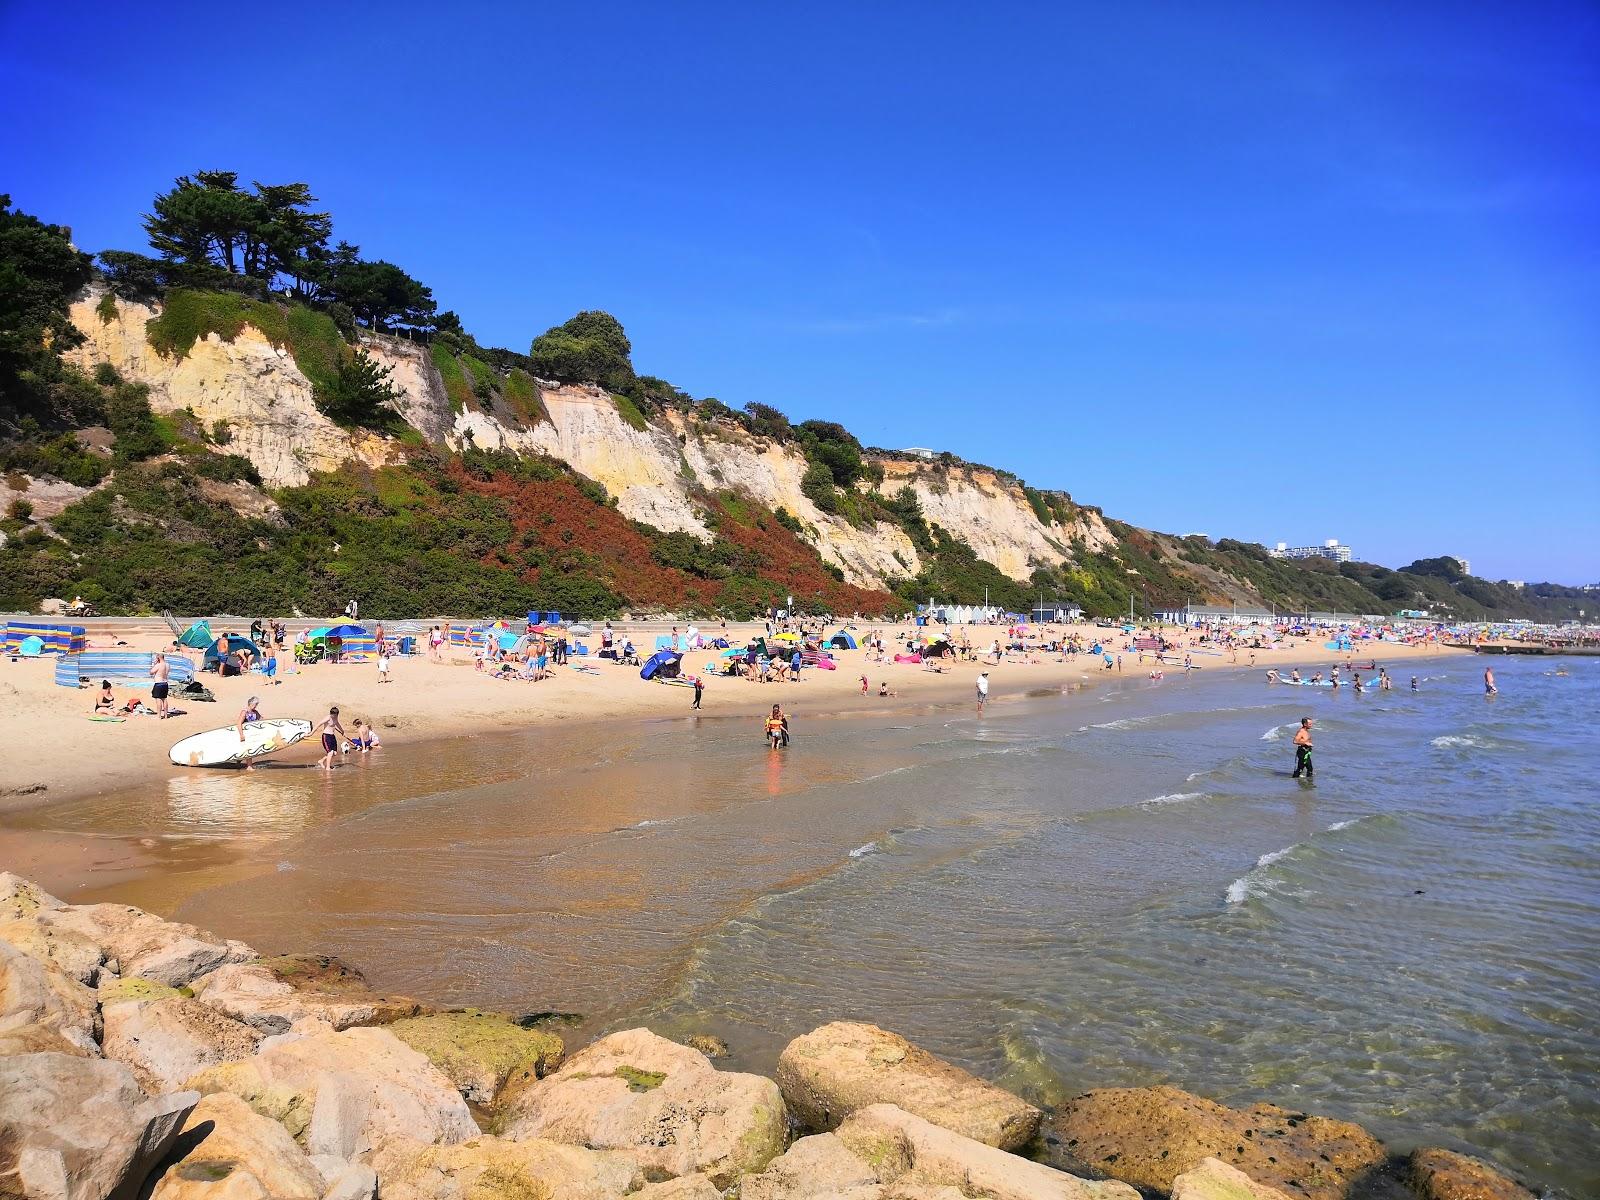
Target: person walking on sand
[[331, 732], [1489, 688], [983, 691], [699, 690], [1302, 748], [160, 672], [383, 663]]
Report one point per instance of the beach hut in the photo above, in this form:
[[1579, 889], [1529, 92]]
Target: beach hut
[[663, 663]]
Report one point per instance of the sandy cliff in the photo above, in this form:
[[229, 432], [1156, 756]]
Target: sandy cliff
[[663, 474]]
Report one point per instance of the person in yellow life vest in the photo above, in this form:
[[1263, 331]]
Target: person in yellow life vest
[[777, 727]]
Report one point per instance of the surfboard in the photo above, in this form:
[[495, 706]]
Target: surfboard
[[220, 747]]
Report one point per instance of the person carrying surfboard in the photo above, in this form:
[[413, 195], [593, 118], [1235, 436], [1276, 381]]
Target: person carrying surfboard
[[331, 732], [248, 715]]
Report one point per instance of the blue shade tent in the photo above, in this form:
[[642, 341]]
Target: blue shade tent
[[842, 641], [235, 643], [198, 636], [663, 663]]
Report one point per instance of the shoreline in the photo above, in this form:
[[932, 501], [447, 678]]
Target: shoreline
[[84, 760]]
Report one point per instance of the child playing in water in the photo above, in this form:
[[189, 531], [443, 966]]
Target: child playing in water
[[364, 737]]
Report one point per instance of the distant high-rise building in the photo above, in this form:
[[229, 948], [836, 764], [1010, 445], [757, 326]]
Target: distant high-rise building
[[1332, 548], [1466, 567]]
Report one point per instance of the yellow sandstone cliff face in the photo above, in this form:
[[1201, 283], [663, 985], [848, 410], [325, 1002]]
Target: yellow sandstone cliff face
[[248, 382], [656, 473]]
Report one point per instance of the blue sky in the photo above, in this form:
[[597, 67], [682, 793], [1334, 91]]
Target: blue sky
[[1263, 271]]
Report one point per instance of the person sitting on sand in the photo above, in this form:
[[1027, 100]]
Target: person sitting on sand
[[883, 689], [105, 703], [363, 736]]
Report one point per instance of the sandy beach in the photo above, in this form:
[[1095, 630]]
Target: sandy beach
[[59, 754]]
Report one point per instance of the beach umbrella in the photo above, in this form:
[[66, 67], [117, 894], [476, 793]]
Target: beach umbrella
[[344, 631]]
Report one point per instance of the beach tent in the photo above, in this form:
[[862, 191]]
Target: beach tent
[[234, 642], [197, 637], [31, 646], [842, 641], [663, 663]]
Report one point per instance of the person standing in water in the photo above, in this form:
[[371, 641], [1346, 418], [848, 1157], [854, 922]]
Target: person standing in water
[[1489, 688], [331, 732], [983, 691], [699, 690], [1302, 748]]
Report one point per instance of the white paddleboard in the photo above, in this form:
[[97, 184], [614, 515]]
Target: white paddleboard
[[219, 747]]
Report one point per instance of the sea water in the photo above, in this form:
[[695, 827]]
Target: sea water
[[1121, 886]]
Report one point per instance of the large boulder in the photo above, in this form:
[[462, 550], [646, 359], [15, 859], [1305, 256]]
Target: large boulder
[[884, 1153], [663, 1104], [168, 952], [478, 1051], [831, 1072], [274, 993], [1214, 1180], [165, 1041], [79, 1128], [43, 1008], [1150, 1136], [904, 1149], [490, 1168], [339, 1093], [21, 897], [1445, 1175], [226, 1150], [78, 956], [21, 903]]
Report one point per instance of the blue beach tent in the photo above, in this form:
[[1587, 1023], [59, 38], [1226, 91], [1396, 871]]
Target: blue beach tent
[[842, 641], [663, 663]]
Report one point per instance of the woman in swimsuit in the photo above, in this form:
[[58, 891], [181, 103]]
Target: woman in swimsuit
[[248, 715], [105, 703]]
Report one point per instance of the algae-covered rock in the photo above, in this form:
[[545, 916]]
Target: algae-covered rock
[[122, 990], [1445, 1175], [661, 1103], [490, 1168], [708, 1044], [831, 1072], [480, 1051], [1150, 1136]]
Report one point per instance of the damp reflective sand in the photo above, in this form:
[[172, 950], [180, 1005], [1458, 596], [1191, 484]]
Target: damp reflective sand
[[1116, 887]]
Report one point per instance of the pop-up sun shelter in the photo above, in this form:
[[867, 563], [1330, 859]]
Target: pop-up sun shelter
[[842, 641], [663, 663], [197, 637], [216, 650]]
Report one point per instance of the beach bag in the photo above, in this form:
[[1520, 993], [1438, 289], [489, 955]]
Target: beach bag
[[195, 690]]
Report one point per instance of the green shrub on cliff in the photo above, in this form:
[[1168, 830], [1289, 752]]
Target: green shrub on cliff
[[589, 348]]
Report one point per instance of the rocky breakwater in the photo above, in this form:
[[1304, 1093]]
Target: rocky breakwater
[[146, 1058]]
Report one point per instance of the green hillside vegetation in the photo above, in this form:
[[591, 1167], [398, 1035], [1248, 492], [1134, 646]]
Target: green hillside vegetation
[[478, 532]]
